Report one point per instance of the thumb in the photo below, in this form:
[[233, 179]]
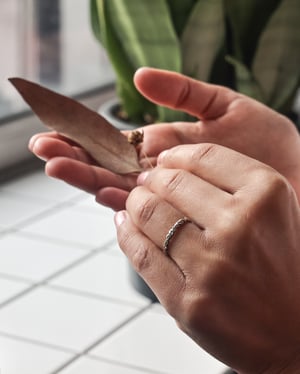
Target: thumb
[[176, 91]]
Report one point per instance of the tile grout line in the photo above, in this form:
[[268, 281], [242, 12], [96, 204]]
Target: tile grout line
[[94, 296], [124, 365], [101, 340], [44, 281], [37, 342], [57, 206]]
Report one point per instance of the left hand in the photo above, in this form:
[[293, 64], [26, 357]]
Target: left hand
[[231, 279], [226, 118]]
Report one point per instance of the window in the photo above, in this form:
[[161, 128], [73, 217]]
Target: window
[[51, 42]]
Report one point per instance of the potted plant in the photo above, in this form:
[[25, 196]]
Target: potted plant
[[251, 46]]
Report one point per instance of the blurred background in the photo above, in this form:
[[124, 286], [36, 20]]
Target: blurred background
[[50, 42]]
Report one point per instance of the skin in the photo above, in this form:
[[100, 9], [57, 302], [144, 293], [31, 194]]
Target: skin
[[225, 117], [231, 280]]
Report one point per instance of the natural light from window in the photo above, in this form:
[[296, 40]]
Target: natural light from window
[[51, 42]]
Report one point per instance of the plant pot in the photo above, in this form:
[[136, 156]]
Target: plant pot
[[109, 110]]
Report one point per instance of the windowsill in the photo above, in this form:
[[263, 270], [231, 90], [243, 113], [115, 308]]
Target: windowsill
[[16, 132]]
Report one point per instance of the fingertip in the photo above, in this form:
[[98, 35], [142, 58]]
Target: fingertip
[[36, 147], [162, 157], [50, 168], [145, 79], [142, 178], [120, 217], [32, 141], [140, 76]]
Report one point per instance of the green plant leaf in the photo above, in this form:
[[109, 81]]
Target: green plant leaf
[[202, 38], [245, 82], [145, 31], [247, 18], [180, 12], [276, 65], [96, 28], [133, 103]]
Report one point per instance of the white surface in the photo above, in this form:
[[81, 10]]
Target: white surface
[[19, 357], [67, 299], [92, 366], [60, 319], [46, 188], [33, 258], [15, 209], [9, 288], [76, 227], [154, 342], [102, 275]]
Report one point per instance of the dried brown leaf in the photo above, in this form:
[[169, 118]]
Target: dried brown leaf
[[107, 145]]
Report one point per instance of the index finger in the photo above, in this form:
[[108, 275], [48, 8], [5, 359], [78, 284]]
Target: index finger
[[176, 91], [222, 167]]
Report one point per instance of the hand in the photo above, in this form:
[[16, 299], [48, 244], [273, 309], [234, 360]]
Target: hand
[[228, 118], [231, 278], [67, 161]]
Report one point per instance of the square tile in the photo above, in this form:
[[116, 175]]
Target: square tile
[[34, 259], [103, 275], [38, 185], [76, 227], [89, 204], [92, 366], [9, 288], [61, 319], [23, 357], [16, 209], [154, 342], [115, 250]]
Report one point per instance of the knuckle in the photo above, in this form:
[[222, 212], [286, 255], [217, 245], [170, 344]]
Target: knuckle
[[141, 258], [271, 186], [183, 95], [140, 252], [173, 181], [203, 151], [145, 210]]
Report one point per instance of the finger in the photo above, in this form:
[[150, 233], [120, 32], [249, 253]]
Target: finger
[[87, 177], [49, 134], [49, 147], [112, 197], [176, 91], [168, 135], [155, 217], [161, 273], [220, 166], [197, 199]]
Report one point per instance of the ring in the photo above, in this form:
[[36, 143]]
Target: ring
[[172, 231]]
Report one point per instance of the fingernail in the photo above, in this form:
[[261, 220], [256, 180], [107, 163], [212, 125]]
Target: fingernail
[[161, 156], [142, 177], [120, 217], [34, 148], [31, 143]]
